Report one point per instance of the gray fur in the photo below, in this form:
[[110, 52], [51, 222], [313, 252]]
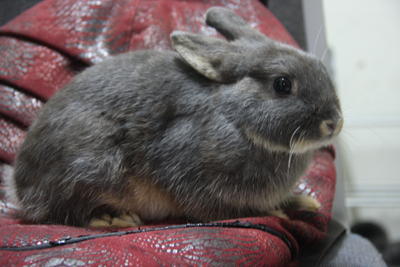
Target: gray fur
[[158, 117]]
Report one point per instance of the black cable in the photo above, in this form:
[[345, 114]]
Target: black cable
[[236, 224]]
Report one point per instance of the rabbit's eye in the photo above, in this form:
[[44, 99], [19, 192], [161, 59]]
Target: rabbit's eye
[[283, 85]]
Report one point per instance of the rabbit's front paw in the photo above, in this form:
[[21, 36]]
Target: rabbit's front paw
[[122, 221], [279, 213], [304, 202]]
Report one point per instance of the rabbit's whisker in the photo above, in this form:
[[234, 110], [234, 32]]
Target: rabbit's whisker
[[291, 147], [316, 41]]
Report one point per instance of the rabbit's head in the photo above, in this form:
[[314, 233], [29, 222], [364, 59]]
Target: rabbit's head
[[279, 97]]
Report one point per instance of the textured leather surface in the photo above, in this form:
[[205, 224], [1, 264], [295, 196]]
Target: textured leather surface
[[44, 47]]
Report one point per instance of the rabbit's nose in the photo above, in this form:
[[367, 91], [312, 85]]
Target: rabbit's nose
[[330, 127]]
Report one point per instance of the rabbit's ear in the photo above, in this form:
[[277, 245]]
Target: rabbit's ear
[[205, 54], [232, 26]]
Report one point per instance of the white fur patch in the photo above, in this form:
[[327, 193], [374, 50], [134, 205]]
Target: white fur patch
[[262, 142], [297, 148], [8, 180]]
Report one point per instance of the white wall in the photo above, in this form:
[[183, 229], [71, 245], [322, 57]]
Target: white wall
[[364, 37]]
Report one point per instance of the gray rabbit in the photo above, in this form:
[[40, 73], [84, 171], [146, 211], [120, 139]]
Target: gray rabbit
[[218, 129]]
